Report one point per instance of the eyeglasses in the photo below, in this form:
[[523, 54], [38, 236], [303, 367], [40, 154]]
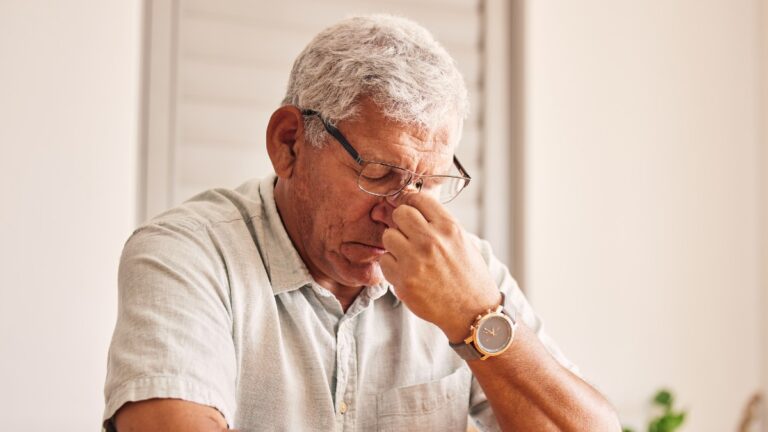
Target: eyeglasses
[[383, 179]]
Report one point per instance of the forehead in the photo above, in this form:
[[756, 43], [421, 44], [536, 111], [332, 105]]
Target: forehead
[[379, 138]]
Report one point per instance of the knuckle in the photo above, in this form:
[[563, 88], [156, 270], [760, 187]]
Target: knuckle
[[451, 229], [420, 268], [431, 248]]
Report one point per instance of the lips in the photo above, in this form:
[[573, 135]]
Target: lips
[[374, 246], [377, 249], [362, 252]]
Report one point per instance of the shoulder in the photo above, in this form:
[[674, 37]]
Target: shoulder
[[210, 208], [195, 234]]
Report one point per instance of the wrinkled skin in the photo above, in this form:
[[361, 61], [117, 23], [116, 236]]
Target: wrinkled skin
[[339, 230]]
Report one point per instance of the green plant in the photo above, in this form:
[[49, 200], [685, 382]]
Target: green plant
[[669, 420]]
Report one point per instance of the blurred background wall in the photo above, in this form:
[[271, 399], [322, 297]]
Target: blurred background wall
[[69, 87], [643, 162], [624, 141]]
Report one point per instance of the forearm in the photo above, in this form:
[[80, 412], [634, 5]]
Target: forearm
[[169, 415], [529, 390], [443, 278]]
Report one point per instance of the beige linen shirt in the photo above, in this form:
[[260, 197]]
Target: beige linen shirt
[[216, 307]]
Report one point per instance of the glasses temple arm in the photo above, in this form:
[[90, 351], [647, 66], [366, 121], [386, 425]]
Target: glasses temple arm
[[461, 167], [336, 134]]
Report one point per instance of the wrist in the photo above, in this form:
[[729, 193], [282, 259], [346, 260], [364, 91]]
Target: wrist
[[491, 334], [458, 325]]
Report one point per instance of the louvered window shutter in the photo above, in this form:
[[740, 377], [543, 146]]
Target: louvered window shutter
[[218, 69]]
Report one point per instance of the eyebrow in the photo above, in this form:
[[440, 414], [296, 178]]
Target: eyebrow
[[352, 151]]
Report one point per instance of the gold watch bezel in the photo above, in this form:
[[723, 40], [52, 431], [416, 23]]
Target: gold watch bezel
[[475, 328]]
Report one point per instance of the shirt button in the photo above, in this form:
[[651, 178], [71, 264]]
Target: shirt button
[[343, 407]]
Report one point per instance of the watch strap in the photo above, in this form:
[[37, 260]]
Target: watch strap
[[466, 351]]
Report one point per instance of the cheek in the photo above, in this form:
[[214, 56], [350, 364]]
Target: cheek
[[337, 199], [344, 218], [325, 216], [334, 207]]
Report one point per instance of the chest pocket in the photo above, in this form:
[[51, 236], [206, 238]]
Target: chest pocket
[[440, 405]]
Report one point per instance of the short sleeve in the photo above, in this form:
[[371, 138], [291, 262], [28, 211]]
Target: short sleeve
[[514, 299], [173, 337]]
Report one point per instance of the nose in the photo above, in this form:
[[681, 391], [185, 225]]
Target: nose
[[382, 211], [413, 186]]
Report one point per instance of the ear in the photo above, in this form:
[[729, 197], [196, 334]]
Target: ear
[[285, 135]]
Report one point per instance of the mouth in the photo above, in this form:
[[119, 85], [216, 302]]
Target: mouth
[[362, 252], [374, 248]]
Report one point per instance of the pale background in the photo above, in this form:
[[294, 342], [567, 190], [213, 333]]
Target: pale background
[[628, 149]]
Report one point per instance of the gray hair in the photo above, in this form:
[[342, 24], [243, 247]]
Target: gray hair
[[391, 60]]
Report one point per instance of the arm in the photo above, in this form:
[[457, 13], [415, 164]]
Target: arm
[[529, 390], [168, 415], [441, 276], [173, 339]]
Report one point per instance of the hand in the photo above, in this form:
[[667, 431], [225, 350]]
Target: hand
[[435, 269]]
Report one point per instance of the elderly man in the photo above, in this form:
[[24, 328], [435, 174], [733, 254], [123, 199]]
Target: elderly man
[[339, 294]]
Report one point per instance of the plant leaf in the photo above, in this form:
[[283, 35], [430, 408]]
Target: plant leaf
[[664, 398], [654, 426], [670, 422]]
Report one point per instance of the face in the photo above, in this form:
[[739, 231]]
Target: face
[[340, 226]]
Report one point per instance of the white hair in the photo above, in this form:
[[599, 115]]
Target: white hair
[[391, 60]]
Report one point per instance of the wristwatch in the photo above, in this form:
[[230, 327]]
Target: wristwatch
[[490, 335]]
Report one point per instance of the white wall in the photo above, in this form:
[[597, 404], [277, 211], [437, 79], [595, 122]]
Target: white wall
[[68, 104], [642, 193], [764, 202]]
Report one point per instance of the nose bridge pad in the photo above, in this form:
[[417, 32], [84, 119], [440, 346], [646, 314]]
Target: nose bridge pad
[[408, 188], [413, 185], [419, 183]]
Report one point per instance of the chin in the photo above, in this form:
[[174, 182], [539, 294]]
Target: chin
[[366, 274]]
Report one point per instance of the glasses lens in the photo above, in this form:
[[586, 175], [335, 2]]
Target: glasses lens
[[381, 179], [385, 180], [444, 188]]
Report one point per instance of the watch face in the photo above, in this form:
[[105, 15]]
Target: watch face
[[494, 334]]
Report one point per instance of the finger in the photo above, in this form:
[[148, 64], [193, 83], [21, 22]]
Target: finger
[[388, 265], [409, 221], [428, 206], [394, 242]]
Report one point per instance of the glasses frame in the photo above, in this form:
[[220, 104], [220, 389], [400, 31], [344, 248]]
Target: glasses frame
[[341, 139]]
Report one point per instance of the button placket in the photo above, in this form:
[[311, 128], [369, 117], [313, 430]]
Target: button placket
[[346, 373], [342, 364]]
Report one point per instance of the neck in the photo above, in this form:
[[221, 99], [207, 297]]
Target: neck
[[287, 211]]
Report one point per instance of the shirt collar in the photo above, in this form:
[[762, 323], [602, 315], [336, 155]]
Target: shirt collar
[[395, 298], [285, 268]]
